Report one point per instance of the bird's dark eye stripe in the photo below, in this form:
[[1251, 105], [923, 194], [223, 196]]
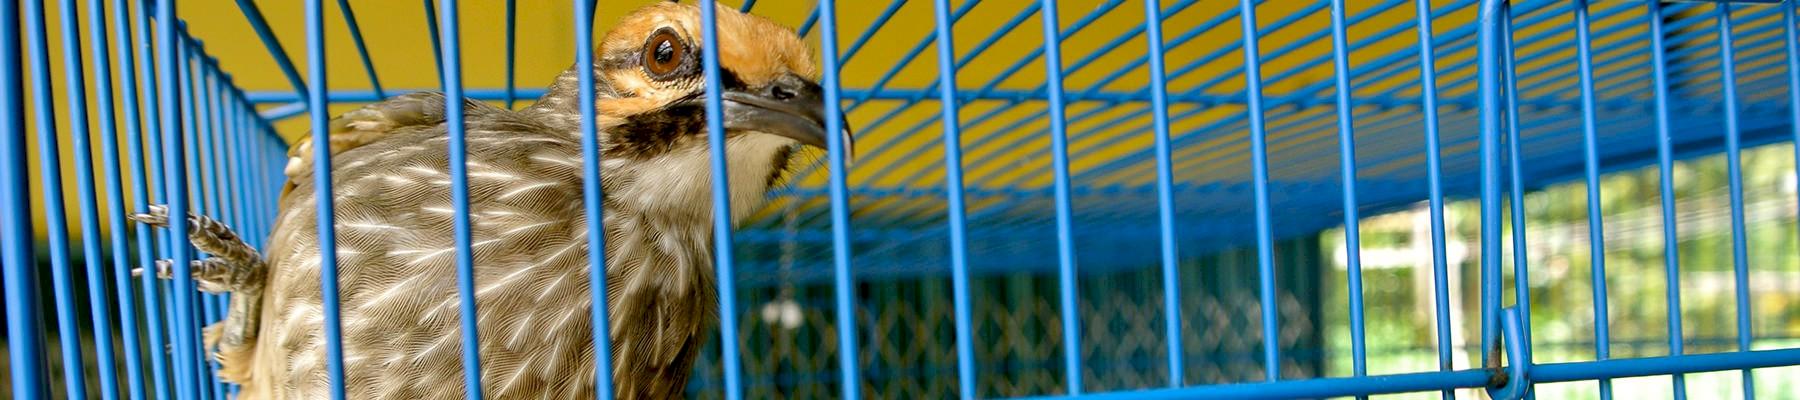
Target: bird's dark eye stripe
[[647, 135], [729, 80]]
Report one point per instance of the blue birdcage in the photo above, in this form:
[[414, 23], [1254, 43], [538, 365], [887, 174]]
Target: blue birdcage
[[1084, 199]]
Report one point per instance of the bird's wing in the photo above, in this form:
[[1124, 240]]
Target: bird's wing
[[399, 303], [375, 121]]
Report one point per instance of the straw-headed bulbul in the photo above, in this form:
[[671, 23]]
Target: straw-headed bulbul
[[395, 253]]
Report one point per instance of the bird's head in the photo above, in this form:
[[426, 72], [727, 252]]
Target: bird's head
[[650, 97]]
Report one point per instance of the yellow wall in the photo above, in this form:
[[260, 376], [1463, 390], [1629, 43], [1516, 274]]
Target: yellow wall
[[397, 38]]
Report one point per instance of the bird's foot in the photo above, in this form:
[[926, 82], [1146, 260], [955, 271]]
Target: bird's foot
[[243, 318], [235, 267]]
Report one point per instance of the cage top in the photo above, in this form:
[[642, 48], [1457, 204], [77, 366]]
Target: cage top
[[897, 184]]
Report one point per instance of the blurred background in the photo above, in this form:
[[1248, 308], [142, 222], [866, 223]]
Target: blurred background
[[898, 210]]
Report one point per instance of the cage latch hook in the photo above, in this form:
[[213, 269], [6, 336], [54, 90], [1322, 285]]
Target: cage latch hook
[[1516, 382]]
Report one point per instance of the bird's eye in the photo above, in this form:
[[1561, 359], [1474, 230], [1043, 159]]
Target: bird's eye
[[663, 54]]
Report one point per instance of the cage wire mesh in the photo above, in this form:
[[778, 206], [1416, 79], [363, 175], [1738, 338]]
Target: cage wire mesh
[[1421, 197]]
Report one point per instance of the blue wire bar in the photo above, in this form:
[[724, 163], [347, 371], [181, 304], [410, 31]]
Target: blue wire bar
[[231, 174], [356, 37], [254, 16], [81, 135], [953, 185], [317, 99], [1793, 75], [1065, 237], [89, 202], [1515, 385], [920, 48], [1428, 98], [243, 173], [261, 202], [813, 19], [1265, 247], [1591, 163], [1521, 311], [1292, 99], [1665, 161], [1740, 253], [237, 177], [49, 165], [512, 20], [592, 198], [451, 61], [912, 99], [201, 194], [260, 209], [1488, 63], [1165, 193], [196, 193], [1510, 124], [148, 190], [24, 335], [715, 127], [206, 106], [1476, 378], [1340, 57], [192, 121], [120, 275], [437, 45], [844, 290], [187, 364]]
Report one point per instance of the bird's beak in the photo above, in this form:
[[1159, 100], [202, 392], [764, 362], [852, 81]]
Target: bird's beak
[[790, 106]]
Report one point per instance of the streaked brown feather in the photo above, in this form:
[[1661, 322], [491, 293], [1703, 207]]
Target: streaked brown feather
[[396, 267]]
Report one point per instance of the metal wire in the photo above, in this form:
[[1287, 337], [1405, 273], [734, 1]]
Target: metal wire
[[448, 33], [1735, 179], [850, 380], [1141, 153], [317, 98], [54, 214], [1065, 237], [953, 184], [1165, 192], [23, 331], [1340, 57], [129, 334], [362, 49], [591, 198], [186, 338], [721, 203], [154, 304], [1265, 248], [1591, 169], [1665, 170]]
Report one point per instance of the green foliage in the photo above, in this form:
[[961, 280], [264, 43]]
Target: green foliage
[[1401, 338]]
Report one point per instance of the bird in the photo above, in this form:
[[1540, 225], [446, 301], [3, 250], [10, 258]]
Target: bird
[[396, 266]]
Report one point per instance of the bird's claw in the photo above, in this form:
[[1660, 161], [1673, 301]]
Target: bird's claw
[[212, 275], [235, 265], [165, 269], [157, 215]]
